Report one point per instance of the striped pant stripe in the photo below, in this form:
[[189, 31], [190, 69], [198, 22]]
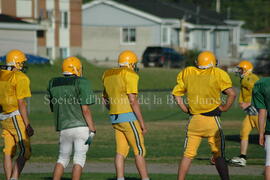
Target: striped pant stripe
[[21, 144], [186, 139], [222, 148], [136, 134]]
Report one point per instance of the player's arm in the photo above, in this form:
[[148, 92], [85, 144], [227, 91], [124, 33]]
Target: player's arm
[[262, 116], [88, 117], [258, 101], [23, 111], [137, 110], [231, 95], [22, 92], [180, 102], [87, 98]]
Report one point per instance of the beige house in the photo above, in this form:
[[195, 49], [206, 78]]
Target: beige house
[[60, 20]]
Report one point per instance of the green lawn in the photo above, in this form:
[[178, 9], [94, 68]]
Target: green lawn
[[97, 176], [150, 78]]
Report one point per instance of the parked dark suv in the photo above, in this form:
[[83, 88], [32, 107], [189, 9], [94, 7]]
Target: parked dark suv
[[162, 57], [262, 63]]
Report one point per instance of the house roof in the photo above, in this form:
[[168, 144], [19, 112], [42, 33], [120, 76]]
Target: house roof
[[177, 10], [9, 22], [9, 19]]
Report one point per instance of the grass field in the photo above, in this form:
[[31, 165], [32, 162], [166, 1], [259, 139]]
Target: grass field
[[150, 78], [96, 176], [165, 122]]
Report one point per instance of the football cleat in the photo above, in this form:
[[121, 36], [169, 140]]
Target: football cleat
[[238, 161]]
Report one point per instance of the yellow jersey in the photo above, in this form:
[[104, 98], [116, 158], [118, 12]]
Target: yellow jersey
[[118, 83], [247, 83], [14, 85], [202, 88]]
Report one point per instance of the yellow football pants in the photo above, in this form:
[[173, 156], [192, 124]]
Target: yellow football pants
[[14, 133], [199, 127], [248, 124], [129, 134]]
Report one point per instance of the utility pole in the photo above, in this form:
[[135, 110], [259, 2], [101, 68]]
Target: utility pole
[[218, 6]]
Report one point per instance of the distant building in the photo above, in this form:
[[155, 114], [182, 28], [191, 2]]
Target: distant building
[[61, 20], [110, 26], [17, 34], [256, 43]]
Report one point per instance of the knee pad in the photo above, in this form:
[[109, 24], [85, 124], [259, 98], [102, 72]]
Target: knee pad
[[63, 159], [79, 158]]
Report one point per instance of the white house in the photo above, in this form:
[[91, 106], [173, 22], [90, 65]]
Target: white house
[[17, 34], [110, 26]]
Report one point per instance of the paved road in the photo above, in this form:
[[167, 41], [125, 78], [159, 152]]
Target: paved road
[[154, 168]]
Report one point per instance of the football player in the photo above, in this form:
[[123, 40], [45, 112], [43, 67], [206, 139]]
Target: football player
[[202, 85], [14, 89], [248, 79], [70, 96], [260, 100], [120, 95]]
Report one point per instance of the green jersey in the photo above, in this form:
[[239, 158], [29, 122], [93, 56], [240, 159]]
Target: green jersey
[[66, 95], [261, 98]]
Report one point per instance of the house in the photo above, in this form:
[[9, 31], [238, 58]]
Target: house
[[256, 43], [17, 34], [110, 26], [61, 20]]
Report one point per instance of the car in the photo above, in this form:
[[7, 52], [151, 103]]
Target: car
[[157, 56], [262, 63]]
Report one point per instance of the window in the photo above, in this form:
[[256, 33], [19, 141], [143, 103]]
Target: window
[[204, 39], [64, 53], [64, 19], [23, 8], [218, 39], [50, 17], [165, 35], [49, 52], [128, 35]]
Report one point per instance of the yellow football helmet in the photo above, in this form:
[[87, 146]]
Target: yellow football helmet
[[72, 66], [127, 58], [205, 60], [244, 67], [16, 58]]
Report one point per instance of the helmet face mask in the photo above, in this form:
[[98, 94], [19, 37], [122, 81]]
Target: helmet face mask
[[239, 71], [136, 68]]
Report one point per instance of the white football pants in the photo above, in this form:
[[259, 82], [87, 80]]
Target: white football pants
[[77, 137], [267, 150]]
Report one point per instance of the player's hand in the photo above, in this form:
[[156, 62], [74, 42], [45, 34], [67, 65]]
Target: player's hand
[[261, 139], [144, 129], [244, 105], [90, 138], [223, 108], [29, 130]]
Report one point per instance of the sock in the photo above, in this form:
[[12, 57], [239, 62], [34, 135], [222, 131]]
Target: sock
[[121, 178], [222, 168], [243, 156], [145, 179], [13, 179]]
